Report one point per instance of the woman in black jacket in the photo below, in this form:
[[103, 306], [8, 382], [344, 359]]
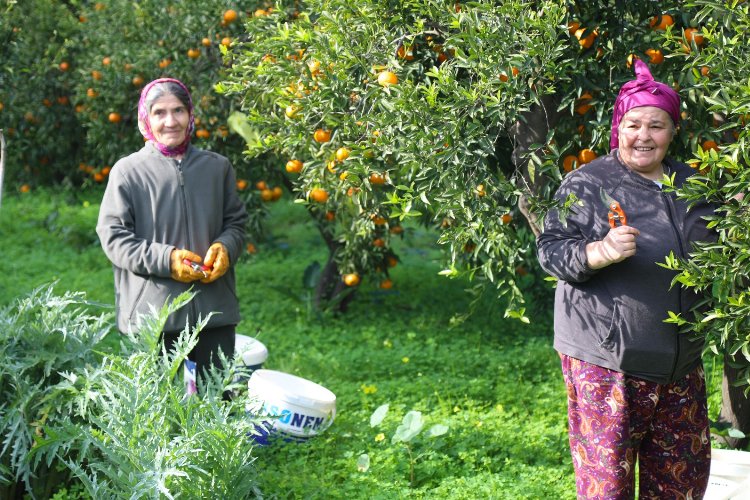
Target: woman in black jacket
[[636, 388]]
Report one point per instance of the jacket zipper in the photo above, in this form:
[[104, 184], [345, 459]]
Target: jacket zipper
[[181, 179], [670, 209]]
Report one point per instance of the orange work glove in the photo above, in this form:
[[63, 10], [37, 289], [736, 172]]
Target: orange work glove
[[217, 259], [182, 272]]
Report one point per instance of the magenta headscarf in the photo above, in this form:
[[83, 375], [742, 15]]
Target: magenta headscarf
[[643, 91], [145, 127]]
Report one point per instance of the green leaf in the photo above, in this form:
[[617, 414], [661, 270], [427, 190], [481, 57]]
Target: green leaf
[[410, 427], [378, 415]]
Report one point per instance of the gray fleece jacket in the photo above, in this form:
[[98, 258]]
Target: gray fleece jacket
[[152, 205], [614, 317]]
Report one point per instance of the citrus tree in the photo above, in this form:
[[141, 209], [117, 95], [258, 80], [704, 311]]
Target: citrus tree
[[722, 270], [35, 104], [465, 117]]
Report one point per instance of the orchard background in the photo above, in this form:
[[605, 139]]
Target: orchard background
[[379, 117]]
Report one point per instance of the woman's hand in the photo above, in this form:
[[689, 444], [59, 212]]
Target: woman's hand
[[618, 245], [217, 258], [182, 272]]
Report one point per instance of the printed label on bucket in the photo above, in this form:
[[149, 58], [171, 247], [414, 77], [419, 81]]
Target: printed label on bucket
[[188, 373], [287, 423]]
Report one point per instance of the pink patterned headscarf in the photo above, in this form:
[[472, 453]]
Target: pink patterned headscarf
[[643, 91], [145, 127]]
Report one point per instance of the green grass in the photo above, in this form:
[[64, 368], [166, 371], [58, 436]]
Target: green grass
[[494, 382]]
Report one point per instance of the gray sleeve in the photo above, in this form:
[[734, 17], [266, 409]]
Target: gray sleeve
[[561, 248], [117, 233]]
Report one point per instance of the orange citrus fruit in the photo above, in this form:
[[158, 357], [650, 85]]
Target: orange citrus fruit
[[506, 218], [342, 154], [387, 78], [569, 163], [661, 22], [319, 195], [114, 117], [241, 184], [230, 16], [64, 66], [404, 53], [351, 279], [202, 133], [694, 35], [194, 53], [587, 40], [586, 155], [655, 56], [709, 144], [377, 178], [386, 284], [322, 135], [294, 166]]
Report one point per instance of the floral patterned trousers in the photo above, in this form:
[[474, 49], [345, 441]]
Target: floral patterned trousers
[[615, 419]]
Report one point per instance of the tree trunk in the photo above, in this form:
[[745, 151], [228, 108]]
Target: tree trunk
[[533, 128], [735, 406], [330, 285]]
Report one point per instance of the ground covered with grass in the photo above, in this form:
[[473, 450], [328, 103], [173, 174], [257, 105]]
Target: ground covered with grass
[[493, 382]]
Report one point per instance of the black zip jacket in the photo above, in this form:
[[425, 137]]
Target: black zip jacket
[[614, 316]]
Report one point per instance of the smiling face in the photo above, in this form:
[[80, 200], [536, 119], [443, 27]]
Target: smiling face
[[644, 135], [169, 119]]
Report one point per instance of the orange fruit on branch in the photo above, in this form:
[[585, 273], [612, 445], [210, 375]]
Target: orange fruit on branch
[[655, 56], [342, 154], [661, 22], [322, 135], [319, 195], [694, 35], [586, 155], [294, 166], [377, 178], [569, 163], [351, 279], [230, 16], [387, 78], [114, 117]]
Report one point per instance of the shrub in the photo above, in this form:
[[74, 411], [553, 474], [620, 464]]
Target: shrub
[[42, 336], [136, 432]]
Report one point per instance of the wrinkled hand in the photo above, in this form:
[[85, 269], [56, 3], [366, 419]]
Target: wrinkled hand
[[617, 245], [182, 272], [217, 258]]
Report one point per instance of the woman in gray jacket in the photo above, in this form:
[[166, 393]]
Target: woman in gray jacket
[[636, 388], [171, 220]]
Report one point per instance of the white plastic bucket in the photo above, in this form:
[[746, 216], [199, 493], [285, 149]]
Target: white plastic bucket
[[252, 351], [730, 475], [300, 408]]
